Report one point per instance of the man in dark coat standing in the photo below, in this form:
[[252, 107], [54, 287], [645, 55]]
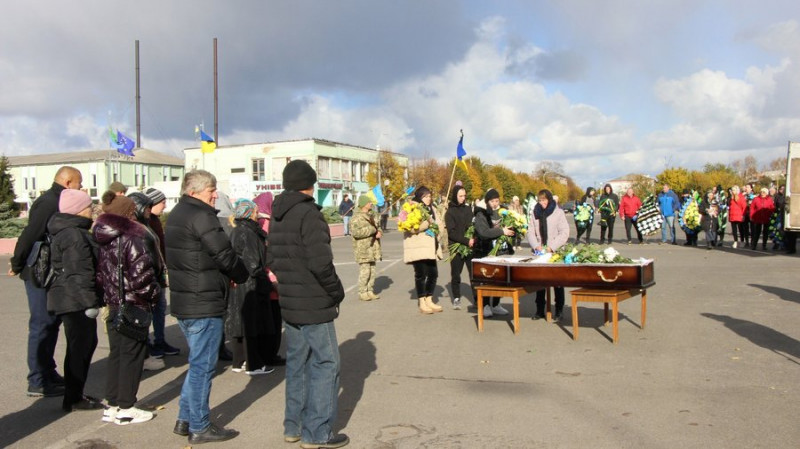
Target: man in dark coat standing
[[200, 261], [300, 255], [43, 380]]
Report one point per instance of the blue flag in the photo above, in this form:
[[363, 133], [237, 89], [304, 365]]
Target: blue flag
[[461, 152], [125, 144], [207, 144], [377, 193]]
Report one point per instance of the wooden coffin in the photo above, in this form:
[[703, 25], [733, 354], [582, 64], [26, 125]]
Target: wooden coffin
[[512, 272]]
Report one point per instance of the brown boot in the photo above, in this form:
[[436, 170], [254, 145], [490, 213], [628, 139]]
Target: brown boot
[[431, 305], [372, 295], [423, 306], [364, 296]]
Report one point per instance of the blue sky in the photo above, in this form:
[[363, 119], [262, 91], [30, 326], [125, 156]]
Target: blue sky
[[603, 87]]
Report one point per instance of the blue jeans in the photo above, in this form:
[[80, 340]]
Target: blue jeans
[[669, 222], [159, 318], [346, 225], [42, 337], [203, 336], [312, 381]]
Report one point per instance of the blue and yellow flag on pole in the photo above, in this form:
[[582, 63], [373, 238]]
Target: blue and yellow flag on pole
[[376, 195], [207, 145], [461, 152]]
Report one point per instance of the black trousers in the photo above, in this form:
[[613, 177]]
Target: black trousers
[[759, 230], [425, 275], [628, 224], [125, 362], [254, 349], [587, 230], [274, 340], [457, 264], [81, 334], [747, 228], [609, 227], [540, 300]]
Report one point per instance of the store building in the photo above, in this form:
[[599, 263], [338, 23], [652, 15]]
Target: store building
[[34, 174], [244, 171]]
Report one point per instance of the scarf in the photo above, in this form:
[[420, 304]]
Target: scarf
[[541, 214]]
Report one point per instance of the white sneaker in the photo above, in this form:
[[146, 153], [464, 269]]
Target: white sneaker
[[734, 245], [487, 311], [499, 310], [240, 369], [263, 370], [132, 415], [457, 304], [153, 364], [110, 413]]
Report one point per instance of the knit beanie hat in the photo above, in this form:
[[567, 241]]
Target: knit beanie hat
[[156, 196], [298, 175], [73, 201], [264, 203], [117, 187], [490, 195], [244, 209], [118, 205], [363, 200]]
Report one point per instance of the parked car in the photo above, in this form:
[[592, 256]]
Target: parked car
[[568, 207]]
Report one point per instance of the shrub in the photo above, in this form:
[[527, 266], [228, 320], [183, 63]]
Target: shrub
[[12, 228], [331, 215]]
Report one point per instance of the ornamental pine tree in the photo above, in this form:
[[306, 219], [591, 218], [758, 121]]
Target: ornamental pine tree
[[7, 195]]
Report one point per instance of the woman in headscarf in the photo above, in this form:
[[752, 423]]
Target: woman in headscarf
[[548, 231], [458, 219], [249, 319]]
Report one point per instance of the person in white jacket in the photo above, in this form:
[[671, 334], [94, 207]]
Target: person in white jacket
[[548, 231]]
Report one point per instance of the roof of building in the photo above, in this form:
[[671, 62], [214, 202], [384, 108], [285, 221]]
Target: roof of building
[[630, 177], [141, 155], [315, 139]]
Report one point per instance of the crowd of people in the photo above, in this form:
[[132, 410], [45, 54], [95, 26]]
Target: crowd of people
[[221, 263]]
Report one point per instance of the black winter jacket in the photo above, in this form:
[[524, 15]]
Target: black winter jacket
[[140, 266], [73, 258], [200, 260], [249, 311], [42, 209], [486, 232], [299, 253], [458, 219]]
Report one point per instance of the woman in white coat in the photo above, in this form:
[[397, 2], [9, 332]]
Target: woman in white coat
[[548, 231]]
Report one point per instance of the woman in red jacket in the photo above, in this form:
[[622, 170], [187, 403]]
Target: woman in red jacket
[[628, 207], [736, 209], [761, 210]]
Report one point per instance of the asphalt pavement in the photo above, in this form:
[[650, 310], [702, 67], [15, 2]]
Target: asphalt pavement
[[717, 366]]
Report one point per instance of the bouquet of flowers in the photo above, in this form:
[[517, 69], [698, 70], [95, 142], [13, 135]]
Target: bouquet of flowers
[[459, 248], [584, 215], [571, 253], [513, 220], [411, 217]]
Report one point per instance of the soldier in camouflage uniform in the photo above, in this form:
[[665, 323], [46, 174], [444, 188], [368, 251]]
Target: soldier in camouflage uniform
[[365, 230]]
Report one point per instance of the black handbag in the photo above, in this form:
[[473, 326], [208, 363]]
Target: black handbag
[[130, 321]]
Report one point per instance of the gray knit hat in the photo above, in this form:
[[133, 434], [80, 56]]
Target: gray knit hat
[[155, 195]]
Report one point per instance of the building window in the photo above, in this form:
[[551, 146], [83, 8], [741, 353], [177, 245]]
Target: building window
[[258, 170], [278, 164], [33, 183], [144, 179], [237, 170], [136, 180], [25, 180], [354, 171], [336, 169], [324, 167], [364, 171], [94, 181]]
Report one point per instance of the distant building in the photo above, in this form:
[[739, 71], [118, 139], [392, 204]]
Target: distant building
[[623, 183], [34, 174], [244, 171]]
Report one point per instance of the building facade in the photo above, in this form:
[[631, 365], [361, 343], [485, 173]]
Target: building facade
[[33, 175], [244, 171]]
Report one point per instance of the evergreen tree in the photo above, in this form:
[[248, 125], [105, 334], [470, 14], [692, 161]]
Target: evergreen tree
[[6, 184]]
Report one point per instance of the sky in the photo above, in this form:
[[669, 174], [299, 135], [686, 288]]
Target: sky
[[603, 87]]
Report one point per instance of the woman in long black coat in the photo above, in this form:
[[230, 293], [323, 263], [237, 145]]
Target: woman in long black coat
[[249, 322]]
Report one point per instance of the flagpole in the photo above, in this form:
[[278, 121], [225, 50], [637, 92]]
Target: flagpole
[[453, 174]]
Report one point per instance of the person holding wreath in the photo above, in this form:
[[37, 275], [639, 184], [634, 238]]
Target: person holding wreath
[[608, 205]]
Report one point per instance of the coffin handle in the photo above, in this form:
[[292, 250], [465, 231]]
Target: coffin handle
[[485, 274], [600, 273]]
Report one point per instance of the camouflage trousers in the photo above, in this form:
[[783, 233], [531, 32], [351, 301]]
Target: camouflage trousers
[[366, 276]]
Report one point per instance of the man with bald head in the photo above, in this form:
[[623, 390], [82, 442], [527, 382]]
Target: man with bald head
[[43, 380]]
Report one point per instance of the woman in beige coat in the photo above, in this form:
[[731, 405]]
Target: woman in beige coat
[[421, 250]]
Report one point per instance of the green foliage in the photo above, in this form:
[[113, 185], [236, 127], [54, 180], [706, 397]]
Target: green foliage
[[10, 226], [331, 214], [7, 195]]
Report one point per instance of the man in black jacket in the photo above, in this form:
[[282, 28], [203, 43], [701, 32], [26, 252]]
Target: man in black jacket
[[300, 255], [200, 261], [43, 380]]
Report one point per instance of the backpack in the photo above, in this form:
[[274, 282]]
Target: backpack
[[41, 270]]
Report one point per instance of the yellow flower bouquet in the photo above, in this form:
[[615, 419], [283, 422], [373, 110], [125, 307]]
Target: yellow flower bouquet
[[513, 220], [411, 217]]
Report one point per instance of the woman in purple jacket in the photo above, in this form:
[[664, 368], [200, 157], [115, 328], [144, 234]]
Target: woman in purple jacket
[[117, 233]]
